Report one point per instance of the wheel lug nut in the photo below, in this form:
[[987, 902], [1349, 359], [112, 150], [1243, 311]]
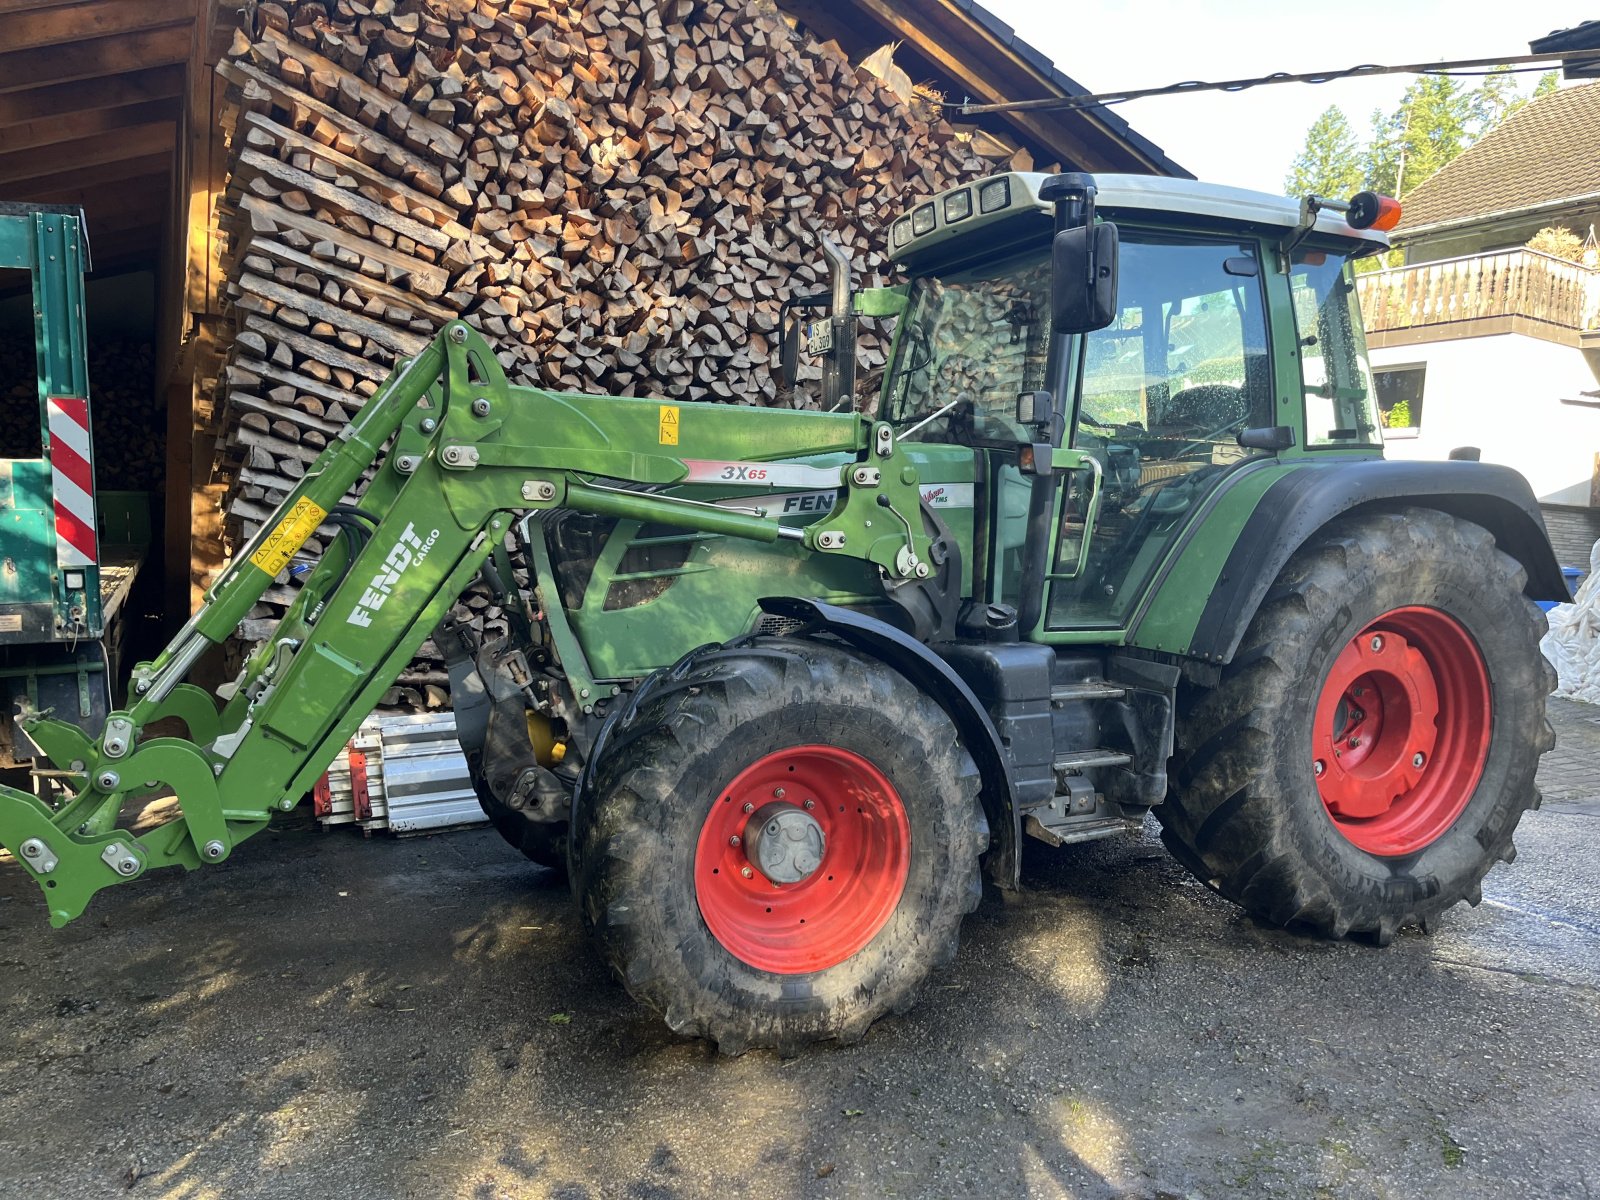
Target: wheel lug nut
[[810, 804], [778, 793], [1318, 767], [1417, 759], [734, 840], [748, 807], [1355, 743], [747, 872], [1377, 645]]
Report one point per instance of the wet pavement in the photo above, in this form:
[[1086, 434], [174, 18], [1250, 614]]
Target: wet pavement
[[327, 1016]]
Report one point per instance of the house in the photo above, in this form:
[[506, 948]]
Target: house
[[1478, 341]]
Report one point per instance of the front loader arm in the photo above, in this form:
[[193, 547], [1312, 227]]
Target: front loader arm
[[469, 451]]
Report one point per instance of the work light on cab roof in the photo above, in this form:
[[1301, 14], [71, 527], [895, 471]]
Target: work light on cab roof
[[1011, 203]]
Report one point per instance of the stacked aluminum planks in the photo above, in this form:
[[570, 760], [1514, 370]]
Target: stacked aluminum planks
[[402, 773]]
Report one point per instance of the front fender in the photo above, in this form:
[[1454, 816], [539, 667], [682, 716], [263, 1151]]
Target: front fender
[[1205, 598]]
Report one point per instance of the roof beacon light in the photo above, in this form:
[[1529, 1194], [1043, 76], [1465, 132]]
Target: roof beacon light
[[1369, 210]]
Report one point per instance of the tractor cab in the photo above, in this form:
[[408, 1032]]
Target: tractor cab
[[1110, 377]]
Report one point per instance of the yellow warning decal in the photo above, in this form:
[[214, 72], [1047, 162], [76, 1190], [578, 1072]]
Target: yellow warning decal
[[299, 523], [669, 425]]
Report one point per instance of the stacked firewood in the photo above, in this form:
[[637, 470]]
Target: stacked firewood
[[129, 423], [618, 194]]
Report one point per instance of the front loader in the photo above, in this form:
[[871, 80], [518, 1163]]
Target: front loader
[[781, 686]]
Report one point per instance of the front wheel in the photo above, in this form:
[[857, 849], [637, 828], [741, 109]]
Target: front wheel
[[1368, 753], [780, 845]]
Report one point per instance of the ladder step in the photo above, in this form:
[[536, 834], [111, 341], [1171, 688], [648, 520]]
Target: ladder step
[[1078, 760], [1066, 832], [1089, 689]]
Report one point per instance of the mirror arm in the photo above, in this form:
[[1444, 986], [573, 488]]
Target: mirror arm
[[839, 375]]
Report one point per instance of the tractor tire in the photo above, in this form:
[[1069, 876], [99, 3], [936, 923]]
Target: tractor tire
[[1368, 752], [541, 842], [526, 804], [865, 897]]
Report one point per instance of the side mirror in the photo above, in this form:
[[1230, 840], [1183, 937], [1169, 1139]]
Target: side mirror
[[1083, 284]]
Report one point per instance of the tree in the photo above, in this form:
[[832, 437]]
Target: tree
[[1330, 162], [1548, 82], [1495, 99], [1428, 129]]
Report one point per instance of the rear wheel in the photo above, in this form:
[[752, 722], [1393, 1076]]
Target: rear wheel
[[780, 846], [1369, 751]]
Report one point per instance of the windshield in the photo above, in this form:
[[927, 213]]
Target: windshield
[[973, 340]]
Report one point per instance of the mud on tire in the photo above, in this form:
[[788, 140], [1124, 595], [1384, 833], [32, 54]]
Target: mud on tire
[[639, 844], [1245, 811]]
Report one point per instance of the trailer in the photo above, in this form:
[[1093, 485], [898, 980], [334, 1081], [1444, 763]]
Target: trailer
[[69, 555]]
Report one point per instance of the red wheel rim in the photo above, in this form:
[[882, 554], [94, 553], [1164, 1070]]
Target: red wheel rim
[[823, 919], [1402, 730]]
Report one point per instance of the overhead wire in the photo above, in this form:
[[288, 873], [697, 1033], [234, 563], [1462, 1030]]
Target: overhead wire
[[1515, 64]]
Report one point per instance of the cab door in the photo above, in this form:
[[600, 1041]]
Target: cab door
[[1160, 398]]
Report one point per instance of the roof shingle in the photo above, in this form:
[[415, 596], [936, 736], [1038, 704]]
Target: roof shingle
[[1547, 151]]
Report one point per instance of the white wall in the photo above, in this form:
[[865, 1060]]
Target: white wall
[[1503, 394]]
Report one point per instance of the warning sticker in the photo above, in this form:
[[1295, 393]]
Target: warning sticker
[[669, 425], [11, 623], [299, 523]]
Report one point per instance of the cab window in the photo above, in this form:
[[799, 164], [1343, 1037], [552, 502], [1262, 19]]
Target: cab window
[[1164, 393]]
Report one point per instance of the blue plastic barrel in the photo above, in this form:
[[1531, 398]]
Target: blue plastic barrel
[[1572, 575]]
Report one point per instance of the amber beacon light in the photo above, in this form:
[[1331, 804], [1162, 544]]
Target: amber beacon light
[[1369, 210]]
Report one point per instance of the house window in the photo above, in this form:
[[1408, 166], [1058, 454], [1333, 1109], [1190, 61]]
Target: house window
[[1400, 398]]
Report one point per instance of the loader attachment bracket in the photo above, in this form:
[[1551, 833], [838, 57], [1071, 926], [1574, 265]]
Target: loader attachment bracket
[[469, 453]]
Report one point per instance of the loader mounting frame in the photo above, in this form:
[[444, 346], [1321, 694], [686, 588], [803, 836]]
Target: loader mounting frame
[[470, 451]]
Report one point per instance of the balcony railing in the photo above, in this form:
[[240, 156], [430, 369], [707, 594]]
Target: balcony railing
[[1511, 283]]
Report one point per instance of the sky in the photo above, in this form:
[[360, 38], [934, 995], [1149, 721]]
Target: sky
[[1248, 139]]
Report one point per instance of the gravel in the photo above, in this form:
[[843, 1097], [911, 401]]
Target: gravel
[[330, 1016]]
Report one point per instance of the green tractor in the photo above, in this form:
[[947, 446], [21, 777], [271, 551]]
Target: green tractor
[[783, 686]]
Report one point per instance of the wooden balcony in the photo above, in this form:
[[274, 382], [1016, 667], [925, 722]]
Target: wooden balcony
[[1514, 291]]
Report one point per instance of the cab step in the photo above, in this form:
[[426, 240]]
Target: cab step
[[1082, 760], [1087, 689], [1067, 830]]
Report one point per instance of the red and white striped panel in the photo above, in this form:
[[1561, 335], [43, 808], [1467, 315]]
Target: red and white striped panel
[[72, 474]]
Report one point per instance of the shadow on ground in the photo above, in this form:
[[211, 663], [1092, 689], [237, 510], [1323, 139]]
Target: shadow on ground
[[327, 1016]]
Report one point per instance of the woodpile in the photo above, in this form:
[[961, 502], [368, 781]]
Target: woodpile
[[618, 194], [129, 422]]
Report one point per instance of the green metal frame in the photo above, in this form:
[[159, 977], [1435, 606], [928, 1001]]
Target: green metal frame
[[470, 451]]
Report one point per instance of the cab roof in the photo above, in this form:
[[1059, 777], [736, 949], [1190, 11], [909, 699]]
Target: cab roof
[[956, 212]]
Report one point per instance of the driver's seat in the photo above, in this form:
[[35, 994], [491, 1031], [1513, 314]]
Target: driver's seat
[[1206, 406]]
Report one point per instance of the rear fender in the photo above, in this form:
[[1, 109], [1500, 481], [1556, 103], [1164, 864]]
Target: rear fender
[[938, 679], [1298, 504]]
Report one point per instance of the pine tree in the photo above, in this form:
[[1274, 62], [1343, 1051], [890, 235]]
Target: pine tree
[[1330, 162], [1428, 129], [1495, 99]]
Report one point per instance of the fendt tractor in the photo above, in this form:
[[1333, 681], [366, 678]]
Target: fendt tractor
[[784, 686]]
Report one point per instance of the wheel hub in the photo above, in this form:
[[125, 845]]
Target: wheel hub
[[802, 859], [784, 843], [1401, 730]]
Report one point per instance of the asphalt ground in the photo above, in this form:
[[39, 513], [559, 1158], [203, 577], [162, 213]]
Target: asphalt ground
[[328, 1016]]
